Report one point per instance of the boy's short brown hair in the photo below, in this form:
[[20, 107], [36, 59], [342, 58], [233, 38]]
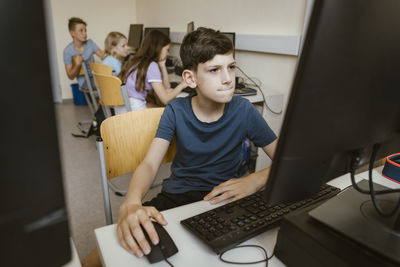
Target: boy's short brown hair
[[202, 45], [74, 21]]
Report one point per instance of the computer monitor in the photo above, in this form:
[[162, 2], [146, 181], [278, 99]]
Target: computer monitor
[[33, 217], [164, 30], [232, 37], [190, 27], [135, 35], [344, 99]]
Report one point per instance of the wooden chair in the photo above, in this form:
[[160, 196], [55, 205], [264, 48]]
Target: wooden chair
[[124, 142], [112, 93], [101, 68]]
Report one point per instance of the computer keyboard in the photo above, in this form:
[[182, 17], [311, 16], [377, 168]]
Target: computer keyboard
[[228, 225]]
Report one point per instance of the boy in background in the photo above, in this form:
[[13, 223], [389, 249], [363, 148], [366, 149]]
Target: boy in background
[[209, 128], [79, 50]]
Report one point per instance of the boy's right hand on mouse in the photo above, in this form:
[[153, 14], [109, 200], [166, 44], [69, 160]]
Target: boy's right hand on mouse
[[129, 232]]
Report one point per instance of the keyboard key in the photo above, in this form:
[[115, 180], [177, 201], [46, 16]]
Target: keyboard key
[[218, 233], [240, 223], [252, 209]]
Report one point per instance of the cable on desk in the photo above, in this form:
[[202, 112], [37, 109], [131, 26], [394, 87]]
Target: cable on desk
[[170, 264], [371, 191], [251, 262], [259, 89], [354, 164]]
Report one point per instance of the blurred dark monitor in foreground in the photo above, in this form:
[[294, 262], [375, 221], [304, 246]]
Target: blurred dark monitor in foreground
[[33, 217], [343, 108]]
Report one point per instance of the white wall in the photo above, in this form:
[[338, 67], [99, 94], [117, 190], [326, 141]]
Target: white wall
[[242, 16], [102, 16]]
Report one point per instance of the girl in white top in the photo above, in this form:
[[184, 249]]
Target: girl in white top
[[116, 49]]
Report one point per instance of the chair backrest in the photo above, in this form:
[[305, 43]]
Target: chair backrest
[[127, 137], [110, 90], [101, 68]]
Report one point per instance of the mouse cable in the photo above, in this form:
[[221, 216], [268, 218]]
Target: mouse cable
[[262, 93], [251, 262], [170, 264]]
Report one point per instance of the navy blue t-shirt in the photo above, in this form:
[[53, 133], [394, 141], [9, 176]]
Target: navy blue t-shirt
[[209, 153]]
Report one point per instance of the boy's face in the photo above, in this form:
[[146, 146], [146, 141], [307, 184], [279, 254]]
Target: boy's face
[[79, 32], [215, 79]]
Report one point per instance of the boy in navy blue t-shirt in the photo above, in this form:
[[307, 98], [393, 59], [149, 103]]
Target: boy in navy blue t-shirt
[[209, 128]]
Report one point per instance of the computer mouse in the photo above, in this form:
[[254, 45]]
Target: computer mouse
[[165, 247]]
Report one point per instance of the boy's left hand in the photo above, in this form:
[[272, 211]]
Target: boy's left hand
[[236, 188]]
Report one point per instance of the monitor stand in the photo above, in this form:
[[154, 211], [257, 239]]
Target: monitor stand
[[353, 215]]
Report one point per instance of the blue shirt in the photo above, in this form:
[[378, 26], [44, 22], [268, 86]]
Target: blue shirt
[[89, 48], [114, 63], [209, 153]]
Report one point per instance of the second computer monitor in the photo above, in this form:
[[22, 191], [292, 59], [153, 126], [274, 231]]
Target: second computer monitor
[[190, 27], [164, 30], [135, 35], [232, 37]]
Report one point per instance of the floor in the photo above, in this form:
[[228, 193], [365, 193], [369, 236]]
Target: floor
[[82, 178]]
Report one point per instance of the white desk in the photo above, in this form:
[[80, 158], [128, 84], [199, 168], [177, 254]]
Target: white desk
[[192, 252], [74, 257]]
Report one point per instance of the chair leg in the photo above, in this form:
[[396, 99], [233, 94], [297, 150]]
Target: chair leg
[[104, 182], [88, 100], [125, 97], [107, 111], [90, 86]]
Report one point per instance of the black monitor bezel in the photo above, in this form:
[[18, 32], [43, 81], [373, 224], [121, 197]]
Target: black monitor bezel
[[135, 33]]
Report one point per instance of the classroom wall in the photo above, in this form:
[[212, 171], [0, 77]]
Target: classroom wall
[[102, 16], [261, 17]]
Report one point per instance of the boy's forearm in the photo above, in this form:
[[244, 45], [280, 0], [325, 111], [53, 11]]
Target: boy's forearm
[[141, 182], [74, 71], [263, 175]]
